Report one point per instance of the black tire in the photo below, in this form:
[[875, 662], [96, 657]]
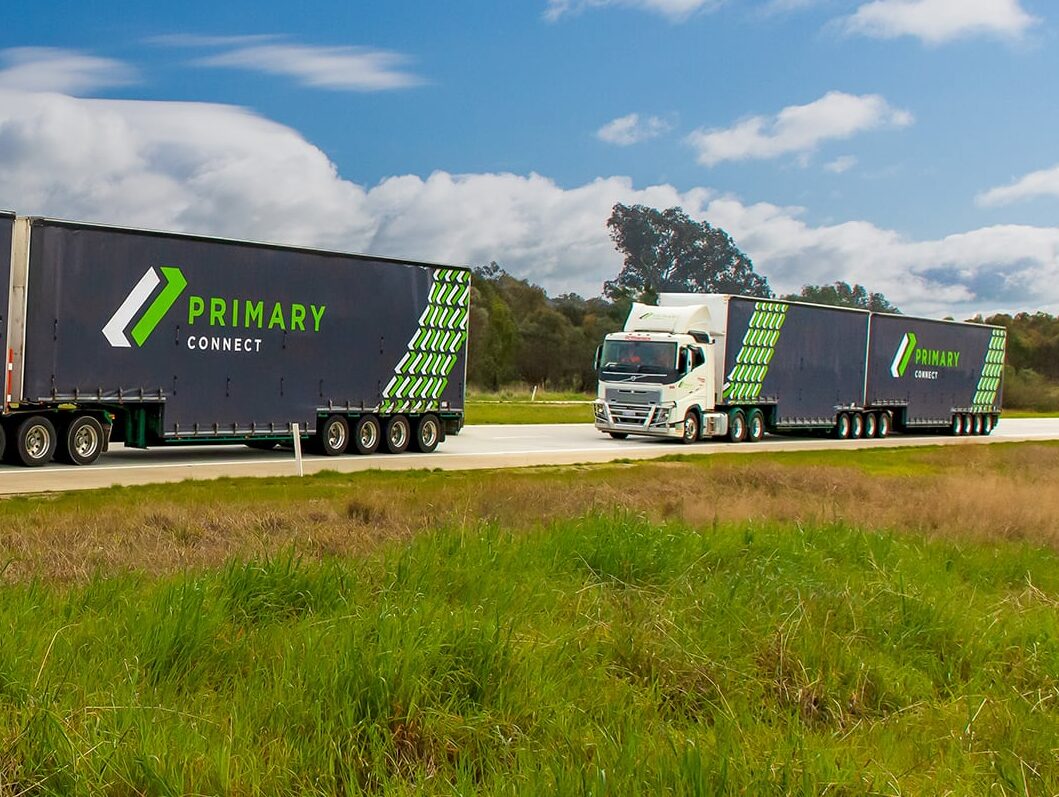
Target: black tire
[[856, 421], [979, 425], [428, 434], [755, 426], [332, 436], [367, 433], [81, 441], [691, 428], [886, 425], [871, 424], [262, 445], [843, 426], [988, 425], [956, 427], [618, 435], [35, 441], [397, 435], [736, 426]]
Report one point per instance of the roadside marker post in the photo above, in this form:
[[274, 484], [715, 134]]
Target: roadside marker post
[[297, 439]]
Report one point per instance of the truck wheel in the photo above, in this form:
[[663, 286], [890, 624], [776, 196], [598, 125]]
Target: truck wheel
[[398, 434], [736, 426], [35, 441], [755, 426], [618, 435], [81, 442], [957, 425], [885, 425], [871, 425], [987, 425], [333, 436], [428, 433], [366, 434], [842, 426], [856, 425], [691, 428]]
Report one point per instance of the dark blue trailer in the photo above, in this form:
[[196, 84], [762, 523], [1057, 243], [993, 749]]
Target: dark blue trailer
[[153, 339]]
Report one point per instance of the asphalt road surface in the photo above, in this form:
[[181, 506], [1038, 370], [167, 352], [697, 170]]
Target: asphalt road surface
[[475, 447]]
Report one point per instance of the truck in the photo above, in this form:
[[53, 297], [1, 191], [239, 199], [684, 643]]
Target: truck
[[164, 339], [700, 366]]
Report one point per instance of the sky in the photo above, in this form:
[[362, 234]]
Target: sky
[[908, 145]]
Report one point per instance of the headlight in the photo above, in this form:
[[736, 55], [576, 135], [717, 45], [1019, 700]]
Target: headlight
[[662, 415], [600, 410]]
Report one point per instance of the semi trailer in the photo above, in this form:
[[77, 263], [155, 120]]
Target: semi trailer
[[700, 366], [162, 339]]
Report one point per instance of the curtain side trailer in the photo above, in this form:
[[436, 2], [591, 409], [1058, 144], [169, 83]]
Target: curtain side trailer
[[699, 366], [152, 339]]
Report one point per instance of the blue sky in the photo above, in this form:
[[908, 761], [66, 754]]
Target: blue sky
[[906, 144]]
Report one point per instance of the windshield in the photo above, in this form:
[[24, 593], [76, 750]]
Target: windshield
[[638, 361]]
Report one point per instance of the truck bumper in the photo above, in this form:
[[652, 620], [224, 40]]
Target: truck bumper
[[655, 422]]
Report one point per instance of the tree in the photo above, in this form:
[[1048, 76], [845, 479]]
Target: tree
[[840, 294], [667, 250]]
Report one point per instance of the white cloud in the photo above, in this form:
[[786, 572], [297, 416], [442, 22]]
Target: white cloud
[[841, 164], [627, 130], [342, 68], [222, 170], [797, 128], [1035, 184], [939, 21], [50, 69], [675, 10]]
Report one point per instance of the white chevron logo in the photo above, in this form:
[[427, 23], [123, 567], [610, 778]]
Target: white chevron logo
[[114, 331]]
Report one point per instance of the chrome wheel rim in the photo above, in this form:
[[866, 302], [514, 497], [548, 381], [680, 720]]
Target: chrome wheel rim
[[428, 433], [368, 434], [38, 441], [336, 435], [398, 434], [86, 440]]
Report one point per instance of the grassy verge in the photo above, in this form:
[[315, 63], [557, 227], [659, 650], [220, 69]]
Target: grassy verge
[[1030, 413], [526, 412], [846, 622], [514, 405]]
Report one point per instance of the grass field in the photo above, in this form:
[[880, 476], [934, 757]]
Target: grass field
[[841, 622], [527, 412], [514, 405]]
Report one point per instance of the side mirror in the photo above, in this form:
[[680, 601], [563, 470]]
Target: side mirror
[[596, 361]]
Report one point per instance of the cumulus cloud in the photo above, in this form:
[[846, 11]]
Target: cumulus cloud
[[65, 71], [1035, 184], [939, 21], [627, 130], [223, 170], [339, 68], [797, 128], [675, 10]]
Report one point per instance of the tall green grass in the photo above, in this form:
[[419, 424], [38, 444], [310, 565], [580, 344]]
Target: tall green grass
[[604, 655]]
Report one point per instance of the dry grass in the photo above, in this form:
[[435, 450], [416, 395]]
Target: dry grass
[[981, 492]]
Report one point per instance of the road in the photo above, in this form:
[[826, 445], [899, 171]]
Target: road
[[476, 447]]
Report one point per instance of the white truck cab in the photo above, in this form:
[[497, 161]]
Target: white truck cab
[[661, 375]]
